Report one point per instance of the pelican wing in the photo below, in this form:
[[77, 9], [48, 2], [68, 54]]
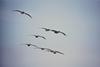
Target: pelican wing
[[46, 29], [42, 37], [36, 46], [18, 11], [59, 52], [62, 33], [28, 15]]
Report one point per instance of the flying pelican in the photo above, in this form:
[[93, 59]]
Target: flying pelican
[[56, 32], [46, 29], [22, 12], [39, 36]]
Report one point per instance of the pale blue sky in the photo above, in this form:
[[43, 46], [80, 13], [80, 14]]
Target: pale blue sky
[[77, 18]]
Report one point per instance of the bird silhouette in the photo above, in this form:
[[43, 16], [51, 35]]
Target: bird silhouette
[[56, 32], [22, 12], [46, 29], [37, 36]]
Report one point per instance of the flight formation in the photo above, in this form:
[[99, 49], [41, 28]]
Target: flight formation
[[46, 49], [40, 36]]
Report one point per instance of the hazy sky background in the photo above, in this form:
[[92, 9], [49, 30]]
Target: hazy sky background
[[79, 19]]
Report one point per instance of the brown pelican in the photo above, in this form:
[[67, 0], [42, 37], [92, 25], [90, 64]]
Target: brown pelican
[[56, 32], [22, 12], [39, 36]]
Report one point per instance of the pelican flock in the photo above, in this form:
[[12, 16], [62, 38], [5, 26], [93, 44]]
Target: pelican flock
[[39, 36]]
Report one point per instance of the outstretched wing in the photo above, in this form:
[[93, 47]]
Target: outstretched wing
[[62, 33], [42, 37], [36, 46], [28, 15], [46, 29], [59, 52], [17, 11]]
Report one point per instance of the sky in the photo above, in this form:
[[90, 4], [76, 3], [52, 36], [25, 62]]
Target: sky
[[79, 19]]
